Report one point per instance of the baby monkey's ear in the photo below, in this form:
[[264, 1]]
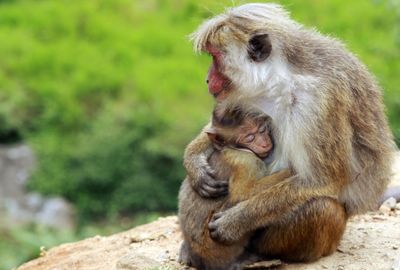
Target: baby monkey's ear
[[215, 138]]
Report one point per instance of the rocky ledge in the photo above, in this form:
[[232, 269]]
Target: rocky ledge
[[371, 241]]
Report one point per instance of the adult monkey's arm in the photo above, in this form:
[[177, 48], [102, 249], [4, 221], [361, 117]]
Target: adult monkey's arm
[[200, 173], [329, 176]]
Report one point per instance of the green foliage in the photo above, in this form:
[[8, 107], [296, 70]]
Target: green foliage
[[31, 238], [113, 168]]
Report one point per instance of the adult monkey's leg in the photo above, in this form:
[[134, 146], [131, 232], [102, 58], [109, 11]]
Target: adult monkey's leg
[[309, 233]]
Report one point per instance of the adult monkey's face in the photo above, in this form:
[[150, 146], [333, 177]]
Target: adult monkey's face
[[239, 42], [219, 85]]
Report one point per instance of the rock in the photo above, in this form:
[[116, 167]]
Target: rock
[[56, 212], [33, 208], [396, 265], [17, 205], [370, 241], [34, 201], [391, 202], [264, 265], [384, 209], [134, 261], [16, 163], [388, 205]]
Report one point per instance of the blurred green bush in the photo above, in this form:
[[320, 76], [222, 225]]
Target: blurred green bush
[[108, 92], [113, 168]]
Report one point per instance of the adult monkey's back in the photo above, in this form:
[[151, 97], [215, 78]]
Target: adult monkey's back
[[330, 125]]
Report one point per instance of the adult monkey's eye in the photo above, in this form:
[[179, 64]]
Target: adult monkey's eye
[[259, 47]]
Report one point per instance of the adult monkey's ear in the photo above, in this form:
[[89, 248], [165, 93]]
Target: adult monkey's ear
[[259, 47]]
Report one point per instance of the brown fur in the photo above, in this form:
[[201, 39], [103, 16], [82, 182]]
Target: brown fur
[[243, 169], [330, 128], [308, 233], [311, 231], [195, 212]]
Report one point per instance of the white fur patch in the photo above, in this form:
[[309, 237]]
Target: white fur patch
[[290, 99]]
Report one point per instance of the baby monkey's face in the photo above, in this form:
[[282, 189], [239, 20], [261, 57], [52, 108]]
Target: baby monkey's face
[[249, 135], [254, 136]]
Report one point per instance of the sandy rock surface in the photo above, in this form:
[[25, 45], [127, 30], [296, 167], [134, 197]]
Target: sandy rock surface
[[371, 241]]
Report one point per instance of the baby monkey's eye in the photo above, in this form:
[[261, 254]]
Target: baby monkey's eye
[[249, 138], [262, 129]]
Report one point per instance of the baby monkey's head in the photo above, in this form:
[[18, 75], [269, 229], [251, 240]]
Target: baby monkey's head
[[243, 129]]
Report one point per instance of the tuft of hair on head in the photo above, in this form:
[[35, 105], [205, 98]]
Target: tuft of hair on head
[[256, 11], [251, 16], [233, 115], [205, 31]]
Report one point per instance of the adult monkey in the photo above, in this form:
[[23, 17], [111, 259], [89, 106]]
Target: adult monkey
[[330, 126]]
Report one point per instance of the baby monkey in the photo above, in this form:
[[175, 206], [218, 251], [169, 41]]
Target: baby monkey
[[241, 142]]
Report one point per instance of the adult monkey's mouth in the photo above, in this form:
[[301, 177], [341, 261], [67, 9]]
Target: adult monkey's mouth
[[222, 95], [218, 83]]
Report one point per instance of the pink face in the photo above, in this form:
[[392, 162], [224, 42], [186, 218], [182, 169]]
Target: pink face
[[250, 135], [256, 138], [218, 83]]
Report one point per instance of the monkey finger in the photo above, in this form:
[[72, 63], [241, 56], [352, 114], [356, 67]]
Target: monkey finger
[[222, 184], [216, 183], [207, 192], [220, 193], [214, 192], [217, 216], [209, 171], [211, 176], [212, 226], [214, 234], [208, 180], [213, 229], [217, 189], [203, 193], [205, 168]]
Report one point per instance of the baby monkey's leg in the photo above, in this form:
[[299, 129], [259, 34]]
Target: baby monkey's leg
[[311, 232]]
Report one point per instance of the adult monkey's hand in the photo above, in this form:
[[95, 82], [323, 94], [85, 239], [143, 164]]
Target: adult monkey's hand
[[200, 173]]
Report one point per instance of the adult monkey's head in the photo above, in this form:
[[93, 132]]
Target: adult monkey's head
[[246, 46]]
